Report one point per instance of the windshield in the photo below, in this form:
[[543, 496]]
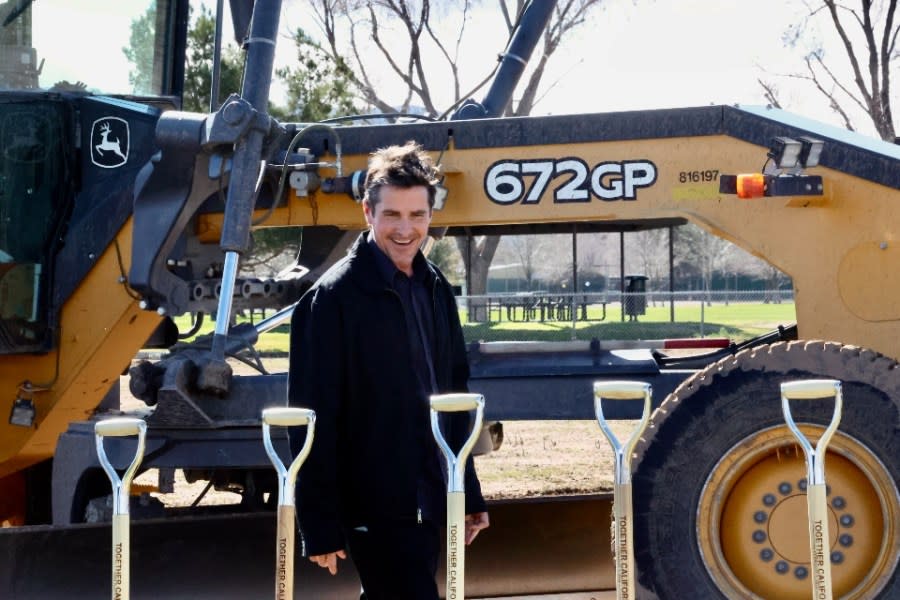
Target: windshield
[[103, 47]]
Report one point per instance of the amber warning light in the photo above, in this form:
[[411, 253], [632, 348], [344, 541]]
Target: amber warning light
[[757, 185], [787, 158]]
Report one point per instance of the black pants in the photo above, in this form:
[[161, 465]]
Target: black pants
[[396, 560]]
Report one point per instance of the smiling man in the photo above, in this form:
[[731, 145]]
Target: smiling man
[[370, 342]]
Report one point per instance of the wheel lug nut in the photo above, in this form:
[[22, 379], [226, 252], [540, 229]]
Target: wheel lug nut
[[845, 540], [801, 572], [781, 567], [766, 554], [847, 520], [759, 536], [837, 557], [769, 499], [801, 485], [839, 502], [785, 488], [760, 516]]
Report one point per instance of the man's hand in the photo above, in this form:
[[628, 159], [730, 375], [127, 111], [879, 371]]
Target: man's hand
[[329, 561], [475, 523]]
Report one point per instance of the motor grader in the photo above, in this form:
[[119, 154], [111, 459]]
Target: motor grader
[[118, 213]]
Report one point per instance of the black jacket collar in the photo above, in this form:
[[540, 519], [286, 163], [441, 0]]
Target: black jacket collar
[[365, 266]]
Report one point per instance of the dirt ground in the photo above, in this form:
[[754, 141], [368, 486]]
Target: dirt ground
[[536, 458]]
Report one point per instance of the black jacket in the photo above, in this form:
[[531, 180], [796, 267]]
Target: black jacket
[[350, 363]]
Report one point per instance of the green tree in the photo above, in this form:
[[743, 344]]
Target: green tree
[[273, 249], [199, 63], [446, 256], [139, 51], [319, 86]]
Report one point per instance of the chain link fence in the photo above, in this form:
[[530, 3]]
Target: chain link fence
[[542, 316]]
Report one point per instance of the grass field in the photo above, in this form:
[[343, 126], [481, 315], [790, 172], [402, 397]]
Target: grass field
[[736, 321]]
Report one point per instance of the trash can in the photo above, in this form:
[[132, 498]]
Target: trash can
[[635, 296]]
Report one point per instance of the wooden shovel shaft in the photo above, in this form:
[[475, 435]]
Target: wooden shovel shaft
[[623, 517], [456, 545], [284, 550], [121, 573], [819, 541]]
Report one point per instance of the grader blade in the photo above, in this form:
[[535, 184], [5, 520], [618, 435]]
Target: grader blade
[[539, 546]]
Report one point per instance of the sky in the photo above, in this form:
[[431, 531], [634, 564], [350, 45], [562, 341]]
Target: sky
[[644, 54], [631, 54], [82, 40]]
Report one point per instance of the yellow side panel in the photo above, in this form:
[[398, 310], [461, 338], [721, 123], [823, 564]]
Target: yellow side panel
[[101, 331], [866, 271]]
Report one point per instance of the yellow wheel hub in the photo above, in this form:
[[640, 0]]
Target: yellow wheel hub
[[752, 518]]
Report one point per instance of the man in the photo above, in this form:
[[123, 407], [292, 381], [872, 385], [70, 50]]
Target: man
[[370, 342]]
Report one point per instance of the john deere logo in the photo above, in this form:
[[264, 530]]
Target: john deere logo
[[109, 142]]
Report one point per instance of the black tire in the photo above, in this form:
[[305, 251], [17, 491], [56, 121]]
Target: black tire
[[730, 402]]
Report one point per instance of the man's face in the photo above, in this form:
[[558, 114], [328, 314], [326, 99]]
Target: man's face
[[400, 223]]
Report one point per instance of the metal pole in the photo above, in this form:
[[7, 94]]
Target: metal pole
[[622, 272], [217, 59], [574, 276], [235, 238], [702, 316], [671, 274]]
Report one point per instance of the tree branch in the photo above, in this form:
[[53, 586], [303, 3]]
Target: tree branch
[[885, 57], [835, 105], [848, 47], [770, 93]]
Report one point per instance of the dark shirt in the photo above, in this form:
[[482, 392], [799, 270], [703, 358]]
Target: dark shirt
[[415, 297], [417, 310]]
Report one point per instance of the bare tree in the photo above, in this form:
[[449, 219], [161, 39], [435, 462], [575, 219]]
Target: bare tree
[[569, 15], [702, 251], [403, 38], [648, 253], [867, 35], [530, 252]]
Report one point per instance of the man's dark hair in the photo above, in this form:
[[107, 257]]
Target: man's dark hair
[[403, 166]]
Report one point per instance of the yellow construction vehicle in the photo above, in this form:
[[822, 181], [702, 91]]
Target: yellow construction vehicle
[[117, 214]]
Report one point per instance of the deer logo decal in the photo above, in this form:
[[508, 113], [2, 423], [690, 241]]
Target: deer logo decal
[[109, 142]]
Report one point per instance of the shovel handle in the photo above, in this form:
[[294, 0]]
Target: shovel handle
[[816, 489], [623, 511], [121, 522], [813, 389], [627, 391], [120, 427], [456, 402], [810, 389], [288, 416], [284, 416], [621, 390], [456, 494], [456, 462]]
